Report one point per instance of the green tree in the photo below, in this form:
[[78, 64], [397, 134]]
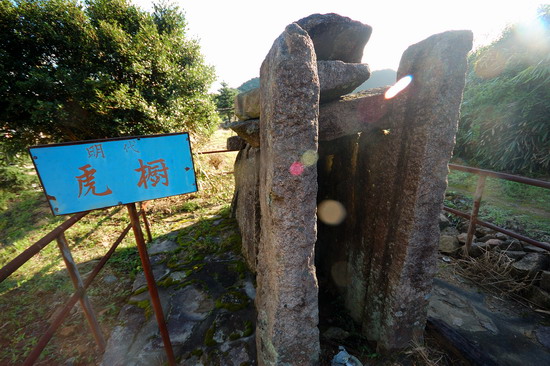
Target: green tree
[[73, 71], [225, 100], [505, 117]]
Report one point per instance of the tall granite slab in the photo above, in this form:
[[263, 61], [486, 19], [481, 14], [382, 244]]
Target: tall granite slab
[[246, 202], [392, 183], [286, 283]]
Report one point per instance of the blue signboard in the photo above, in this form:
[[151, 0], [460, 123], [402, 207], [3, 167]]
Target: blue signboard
[[88, 175]]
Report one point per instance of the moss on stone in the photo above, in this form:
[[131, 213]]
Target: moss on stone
[[248, 328], [145, 305], [209, 336], [232, 301]]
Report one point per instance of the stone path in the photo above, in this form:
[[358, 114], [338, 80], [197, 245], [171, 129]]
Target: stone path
[[208, 305]]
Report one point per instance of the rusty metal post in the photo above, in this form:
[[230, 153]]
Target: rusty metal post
[[146, 221], [79, 284], [475, 210], [152, 286]]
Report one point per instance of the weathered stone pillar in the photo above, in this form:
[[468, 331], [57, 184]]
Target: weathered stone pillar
[[392, 183], [287, 289]]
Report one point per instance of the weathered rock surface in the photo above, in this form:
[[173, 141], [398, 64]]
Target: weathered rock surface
[[336, 37], [246, 201], [495, 334], [188, 292], [247, 105], [336, 78], [249, 130], [360, 112], [287, 287], [530, 265], [448, 244], [392, 185], [235, 143]]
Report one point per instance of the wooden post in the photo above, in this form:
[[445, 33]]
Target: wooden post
[[79, 285], [151, 285], [473, 216]]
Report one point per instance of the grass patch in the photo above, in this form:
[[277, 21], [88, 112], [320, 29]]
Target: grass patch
[[519, 207]]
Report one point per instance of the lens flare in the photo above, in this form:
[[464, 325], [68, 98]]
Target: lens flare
[[398, 87], [296, 168], [309, 158], [331, 212]]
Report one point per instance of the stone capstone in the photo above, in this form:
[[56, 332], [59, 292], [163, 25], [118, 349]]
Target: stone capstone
[[336, 37], [286, 297], [361, 112], [336, 78]]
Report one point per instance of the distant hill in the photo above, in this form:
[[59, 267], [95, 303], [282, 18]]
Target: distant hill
[[377, 79], [249, 85]]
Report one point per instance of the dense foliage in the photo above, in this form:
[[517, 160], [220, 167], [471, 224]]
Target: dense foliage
[[505, 117], [105, 68]]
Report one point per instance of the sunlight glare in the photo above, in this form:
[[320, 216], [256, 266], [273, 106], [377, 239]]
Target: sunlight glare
[[331, 212], [398, 87]]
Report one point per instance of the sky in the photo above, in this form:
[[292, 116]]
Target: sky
[[235, 36]]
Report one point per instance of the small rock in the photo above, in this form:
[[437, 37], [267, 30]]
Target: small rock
[[532, 248], [443, 221], [545, 281], [515, 255], [494, 242], [450, 230], [511, 244], [478, 249], [482, 231], [462, 237], [336, 333], [529, 265], [501, 236], [486, 238], [448, 244]]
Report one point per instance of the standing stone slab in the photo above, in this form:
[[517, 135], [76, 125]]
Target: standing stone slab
[[405, 186], [392, 183], [246, 204], [287, 287]]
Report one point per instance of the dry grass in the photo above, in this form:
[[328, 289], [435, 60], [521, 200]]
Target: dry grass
[[492, 271]]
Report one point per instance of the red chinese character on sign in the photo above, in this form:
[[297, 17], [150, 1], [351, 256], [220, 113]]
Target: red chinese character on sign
[[152, 172], [95, 151], [87, 180]]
